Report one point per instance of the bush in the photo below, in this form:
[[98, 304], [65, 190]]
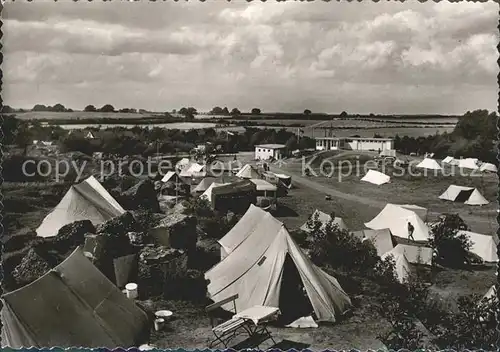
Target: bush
[[340, 249], [12, 169], [451, 248]]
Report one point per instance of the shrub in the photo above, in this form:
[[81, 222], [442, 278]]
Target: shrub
[[340, 249], [13, 169], [451, 248]]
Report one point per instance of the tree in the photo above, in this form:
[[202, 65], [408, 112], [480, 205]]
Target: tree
[[225, 111], [451, 248], [235, 112], [58, 108], [107, 108], [90, 108], [307, 112], [39, 107], [7, 109], [256, 111], [291, 143], [216, 111], [343, 114]]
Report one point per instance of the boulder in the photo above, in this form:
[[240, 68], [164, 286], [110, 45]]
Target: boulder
[[141, 196], [176, 230], [119, 225], [158, 268], [71, 236], [32, 267]]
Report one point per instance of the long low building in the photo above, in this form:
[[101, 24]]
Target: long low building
[[354, 143]]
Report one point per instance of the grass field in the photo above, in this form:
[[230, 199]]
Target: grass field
[[49, 115]]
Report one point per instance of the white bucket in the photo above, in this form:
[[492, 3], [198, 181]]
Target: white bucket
[[159, 324], [131, 290], [166, 315]]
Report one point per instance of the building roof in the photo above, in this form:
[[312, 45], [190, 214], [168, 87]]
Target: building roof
[[271, 146], [356, 138]]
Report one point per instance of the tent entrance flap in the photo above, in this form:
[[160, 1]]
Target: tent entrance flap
[[293, 301], [464, 195]]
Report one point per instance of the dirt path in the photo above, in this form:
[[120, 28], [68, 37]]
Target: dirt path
[[473, 220]]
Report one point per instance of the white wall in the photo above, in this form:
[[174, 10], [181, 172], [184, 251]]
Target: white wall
[[266, 153]]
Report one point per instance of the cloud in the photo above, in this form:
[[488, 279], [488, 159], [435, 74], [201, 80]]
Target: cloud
[[273, 54]]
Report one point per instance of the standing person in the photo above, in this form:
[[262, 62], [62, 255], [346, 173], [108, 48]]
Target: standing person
[[410, 231]]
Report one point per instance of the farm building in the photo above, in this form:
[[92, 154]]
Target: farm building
[[268, 151], [354, 143]]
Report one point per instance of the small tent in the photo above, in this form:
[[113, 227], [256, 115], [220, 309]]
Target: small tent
[[89, 135], [266, 267], [429, 164], [448, 160], [182, 164], [208, 192], [483, 246], [87, 200], [491, 293], [415, 254], [468, 163], [248, 171], [204, 184], [284, 180], [376, 177], [72, 305], [193, 170], [466, 195], [171, 176], [402, 266], [325, 218], [488, 167], [396, 219], [381, 239]]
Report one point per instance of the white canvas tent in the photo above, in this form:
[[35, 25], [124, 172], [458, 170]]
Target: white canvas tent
[[468, 163], [171, 176], [72, 305], [490, 293], [482, 245], [87, 200], [488, 167], [448, 160], [248, 171], [415, 254], [208, 193], [396, 218], [429, 164], [204, 184], [254, 270], [182, 164], [325, 218], [376, 177], [193, 170], [402, 267], [381, 239], [420, 211], [467, 195]]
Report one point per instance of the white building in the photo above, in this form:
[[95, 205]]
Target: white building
[[267, 151], [354, 143]]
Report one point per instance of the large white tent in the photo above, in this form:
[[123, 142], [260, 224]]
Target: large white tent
[[381, 239], [429, 164], [325, 218], [467, 195], [396, 219], [204, 184], [468, 163], [488, 167], [376, 177], [402, 266], [255, 268], [420, 211], [87, 200], [484, 246], [248, 171], [415, 254]]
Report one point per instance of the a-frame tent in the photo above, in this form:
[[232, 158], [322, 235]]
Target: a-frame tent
[[325, 218], [429, 164], [488, 167], [396, 219], [483, 246], [248, 171], [256, 267], [87, 200], [467, 195], [72, 305], [376, 177], [402, 265]]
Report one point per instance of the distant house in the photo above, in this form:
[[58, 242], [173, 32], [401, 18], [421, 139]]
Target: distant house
[[354, 143], [268, 151]]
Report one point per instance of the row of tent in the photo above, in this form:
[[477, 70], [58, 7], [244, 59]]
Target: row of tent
[[471, 163]]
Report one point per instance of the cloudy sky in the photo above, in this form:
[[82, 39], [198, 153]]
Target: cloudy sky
[[328, 57]]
